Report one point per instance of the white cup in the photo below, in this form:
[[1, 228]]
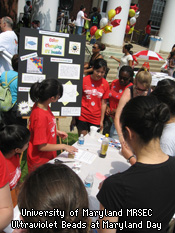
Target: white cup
[[93, 131]]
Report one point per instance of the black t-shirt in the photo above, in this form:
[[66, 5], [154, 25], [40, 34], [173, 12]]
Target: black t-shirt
[[95, 19], [145, 190]]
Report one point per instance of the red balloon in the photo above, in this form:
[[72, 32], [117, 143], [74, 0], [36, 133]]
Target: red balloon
[[116, 22], [134, 7], [118, 9], [127, 29], [93, 30]]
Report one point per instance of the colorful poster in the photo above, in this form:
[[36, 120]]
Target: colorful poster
[[53, 46], [35, 65]]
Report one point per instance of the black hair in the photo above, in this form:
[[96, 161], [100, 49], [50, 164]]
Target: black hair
[[129, 70], [165, 82], [146, 116], [12, 137], [128, 47], [173, 46], [82, 7], [46, 89], [149, 21], [166, 94], [171, 54], [99, 63], [94, 9], [101, 46], [53, 186], [15, 62]]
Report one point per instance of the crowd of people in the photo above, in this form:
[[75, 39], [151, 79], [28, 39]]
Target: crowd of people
[[142, 119]]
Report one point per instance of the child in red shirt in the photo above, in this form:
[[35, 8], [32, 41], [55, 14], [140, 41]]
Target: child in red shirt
[[6, 207], [95, 94], [43, 142], [14, 140]]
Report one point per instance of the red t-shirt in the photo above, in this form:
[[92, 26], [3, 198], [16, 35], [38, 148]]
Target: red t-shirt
[[42, 126], [148, 29], [4, 172], [116, 91], [93, 93], [14, 170]]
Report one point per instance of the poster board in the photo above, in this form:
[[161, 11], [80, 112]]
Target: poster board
[[44, 55]]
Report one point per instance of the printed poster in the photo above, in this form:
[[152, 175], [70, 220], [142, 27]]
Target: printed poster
[[53, 46], [35, 65]]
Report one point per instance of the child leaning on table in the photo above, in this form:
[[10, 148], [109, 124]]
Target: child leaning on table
[[42, 125]]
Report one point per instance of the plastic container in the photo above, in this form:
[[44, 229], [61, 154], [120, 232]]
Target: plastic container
[[104, 146], [81, 140], [88, 182]]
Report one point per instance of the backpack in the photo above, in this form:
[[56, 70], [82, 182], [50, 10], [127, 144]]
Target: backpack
[[5, 95]]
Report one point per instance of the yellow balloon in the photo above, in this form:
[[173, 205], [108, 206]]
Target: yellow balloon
[[111, 14], [107, 29], [128, 23], [98, 33], [131, 30], [132, 12]]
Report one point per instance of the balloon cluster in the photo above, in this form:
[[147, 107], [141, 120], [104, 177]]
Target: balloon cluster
[[106, 24], [133, 14]]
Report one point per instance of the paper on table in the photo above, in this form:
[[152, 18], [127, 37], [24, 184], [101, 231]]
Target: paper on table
[[85, 156]]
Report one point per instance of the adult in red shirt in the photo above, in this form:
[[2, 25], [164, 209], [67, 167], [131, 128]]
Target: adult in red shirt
[[14, 140], [43, 142], [95, 94], [117, 88], [147, 32]]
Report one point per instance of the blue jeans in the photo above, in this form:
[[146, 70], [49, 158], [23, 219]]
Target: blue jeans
[[145, 39], [78, 30], [113, 133]]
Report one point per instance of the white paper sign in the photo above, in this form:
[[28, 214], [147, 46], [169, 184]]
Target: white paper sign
[[69, 71], [69, 93], [70, 111], [32, 78]]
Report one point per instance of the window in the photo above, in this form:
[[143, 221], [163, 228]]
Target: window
[[157, 13]]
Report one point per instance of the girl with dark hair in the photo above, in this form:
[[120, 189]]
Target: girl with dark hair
[[95, 93], [117, 88], [43, 142], [166, 94], [54, 187], [145, 192], [14, 140], [96, 48], [127, 58]]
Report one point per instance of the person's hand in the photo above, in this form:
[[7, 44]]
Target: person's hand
[[112, 113], [112, 57], [62, 134], [127, 153], [89, 20], [107, 111], [70, 149]]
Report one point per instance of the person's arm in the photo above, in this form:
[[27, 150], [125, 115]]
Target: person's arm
[[110, 219], [103, 109], [6, 207], [83, 17], [62, 134], [86, 71], [116, 59], [55, 147], [124, 99], [130, 63]]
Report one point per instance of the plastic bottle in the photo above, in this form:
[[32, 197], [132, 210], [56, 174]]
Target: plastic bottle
[[81, 140], [104, 146], [88, 182]]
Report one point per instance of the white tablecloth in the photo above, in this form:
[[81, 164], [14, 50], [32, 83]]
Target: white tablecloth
[[113, 163]]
